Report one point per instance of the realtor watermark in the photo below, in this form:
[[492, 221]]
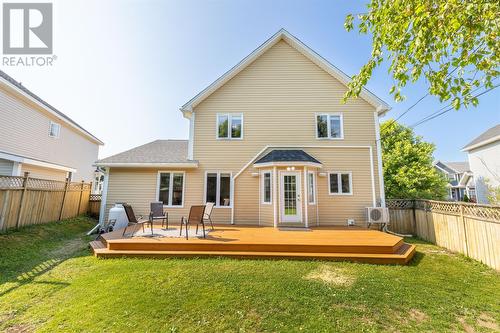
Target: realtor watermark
[[27, 34]]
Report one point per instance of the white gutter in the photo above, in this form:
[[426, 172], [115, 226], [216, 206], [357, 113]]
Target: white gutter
[[186, 165], [26, 160], [480, 144]]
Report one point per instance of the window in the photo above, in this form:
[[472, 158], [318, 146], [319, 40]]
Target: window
[[218, 188], [311, 188], [266, 187], [229, 126], [171, 188], [329, 126], [54, 130], [340, 183]]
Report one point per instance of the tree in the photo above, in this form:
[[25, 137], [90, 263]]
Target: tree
[[492, 193], [453, 44], [408, 169]]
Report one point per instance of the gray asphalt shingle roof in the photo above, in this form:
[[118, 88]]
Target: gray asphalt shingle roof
[[159, 151], [287, 156], [459, 167], [488, 134]]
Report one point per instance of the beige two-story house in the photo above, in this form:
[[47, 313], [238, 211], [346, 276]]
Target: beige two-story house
[[37, 138], [270, 142]]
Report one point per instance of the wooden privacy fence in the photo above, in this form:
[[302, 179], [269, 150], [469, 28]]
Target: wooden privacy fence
[[26, 201], [470, 229]]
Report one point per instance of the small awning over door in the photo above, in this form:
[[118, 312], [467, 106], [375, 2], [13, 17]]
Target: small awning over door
[[287, 157]]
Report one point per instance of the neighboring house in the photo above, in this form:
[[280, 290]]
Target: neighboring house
[[460, 180], [270, 142], [484, 159], [37, 138]]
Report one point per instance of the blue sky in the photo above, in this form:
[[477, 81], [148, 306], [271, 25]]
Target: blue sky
[[124, 68]]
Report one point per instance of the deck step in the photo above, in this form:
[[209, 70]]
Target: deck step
[[405, 253], [97, 245]]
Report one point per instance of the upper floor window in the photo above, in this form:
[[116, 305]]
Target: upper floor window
[[329, 126], [229, 126], [54, 129], [171, 188]]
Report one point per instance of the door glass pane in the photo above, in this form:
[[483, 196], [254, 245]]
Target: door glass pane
[[290, 195], [177, 186], [335, 130], [236, 127], [211, 187], [346, 187], [322, 126], [225, 189], [267, 187], [164, 188], [334, 183], [222, 123]]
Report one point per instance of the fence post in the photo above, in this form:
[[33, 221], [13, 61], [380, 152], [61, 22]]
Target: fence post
[[64, 198], [80, 201], [23, 195], [465, 230], [414, 225]]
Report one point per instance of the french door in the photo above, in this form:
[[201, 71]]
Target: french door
[[290, 199]]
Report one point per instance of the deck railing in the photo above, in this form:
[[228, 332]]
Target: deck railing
[[467, 228], [26, 200]]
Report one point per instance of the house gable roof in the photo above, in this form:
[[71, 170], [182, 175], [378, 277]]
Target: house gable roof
[[17, 86], [489, 136], [381, 106], [159, 152], [453, 167]]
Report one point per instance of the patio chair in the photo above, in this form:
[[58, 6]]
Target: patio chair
[[157, 213], [208, 213], [133, 220], [195, 216]]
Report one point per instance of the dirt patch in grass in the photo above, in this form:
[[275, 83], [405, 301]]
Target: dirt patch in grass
[[68, 248], [489, 322], [20, 328], [331, 276], [417, 315]]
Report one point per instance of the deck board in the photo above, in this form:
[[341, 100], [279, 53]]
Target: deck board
[[353, 244]]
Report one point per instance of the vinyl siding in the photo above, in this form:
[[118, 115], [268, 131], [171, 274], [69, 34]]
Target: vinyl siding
[[24, 129], [6, 167], [485, 165], [43, 173], [278, 95]]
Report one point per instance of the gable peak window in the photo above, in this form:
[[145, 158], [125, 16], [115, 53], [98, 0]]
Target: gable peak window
[[54, 129], [329, 126], [230, 126]]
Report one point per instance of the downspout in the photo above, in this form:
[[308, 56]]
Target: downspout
[[104, 196], [379, 160]]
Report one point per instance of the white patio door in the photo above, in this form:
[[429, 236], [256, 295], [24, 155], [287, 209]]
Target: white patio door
[[290, 202]]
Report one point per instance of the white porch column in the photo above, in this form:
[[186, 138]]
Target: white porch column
[[275, 196], [306, 198]]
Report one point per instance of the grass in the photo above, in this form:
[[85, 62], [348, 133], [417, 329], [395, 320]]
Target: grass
[[49, 282]]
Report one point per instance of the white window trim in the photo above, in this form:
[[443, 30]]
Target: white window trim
[[270, 172], [58, 131], [217, 191], [229, 122], [314, 187], [171, 186], [338, 114], [339, 179]]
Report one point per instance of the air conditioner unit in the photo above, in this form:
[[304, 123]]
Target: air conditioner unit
[[377, 215]]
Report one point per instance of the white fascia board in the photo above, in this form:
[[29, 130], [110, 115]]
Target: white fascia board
[[187, 165], [480, 144], [27, 160], [44, 107], [381, 106]]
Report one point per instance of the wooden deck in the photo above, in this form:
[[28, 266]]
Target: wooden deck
[[265, 242]]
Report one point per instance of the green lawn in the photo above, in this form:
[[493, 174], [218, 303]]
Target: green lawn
[[49, 282]]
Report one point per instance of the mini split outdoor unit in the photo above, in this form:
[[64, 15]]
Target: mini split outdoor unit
[[377, 215]]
